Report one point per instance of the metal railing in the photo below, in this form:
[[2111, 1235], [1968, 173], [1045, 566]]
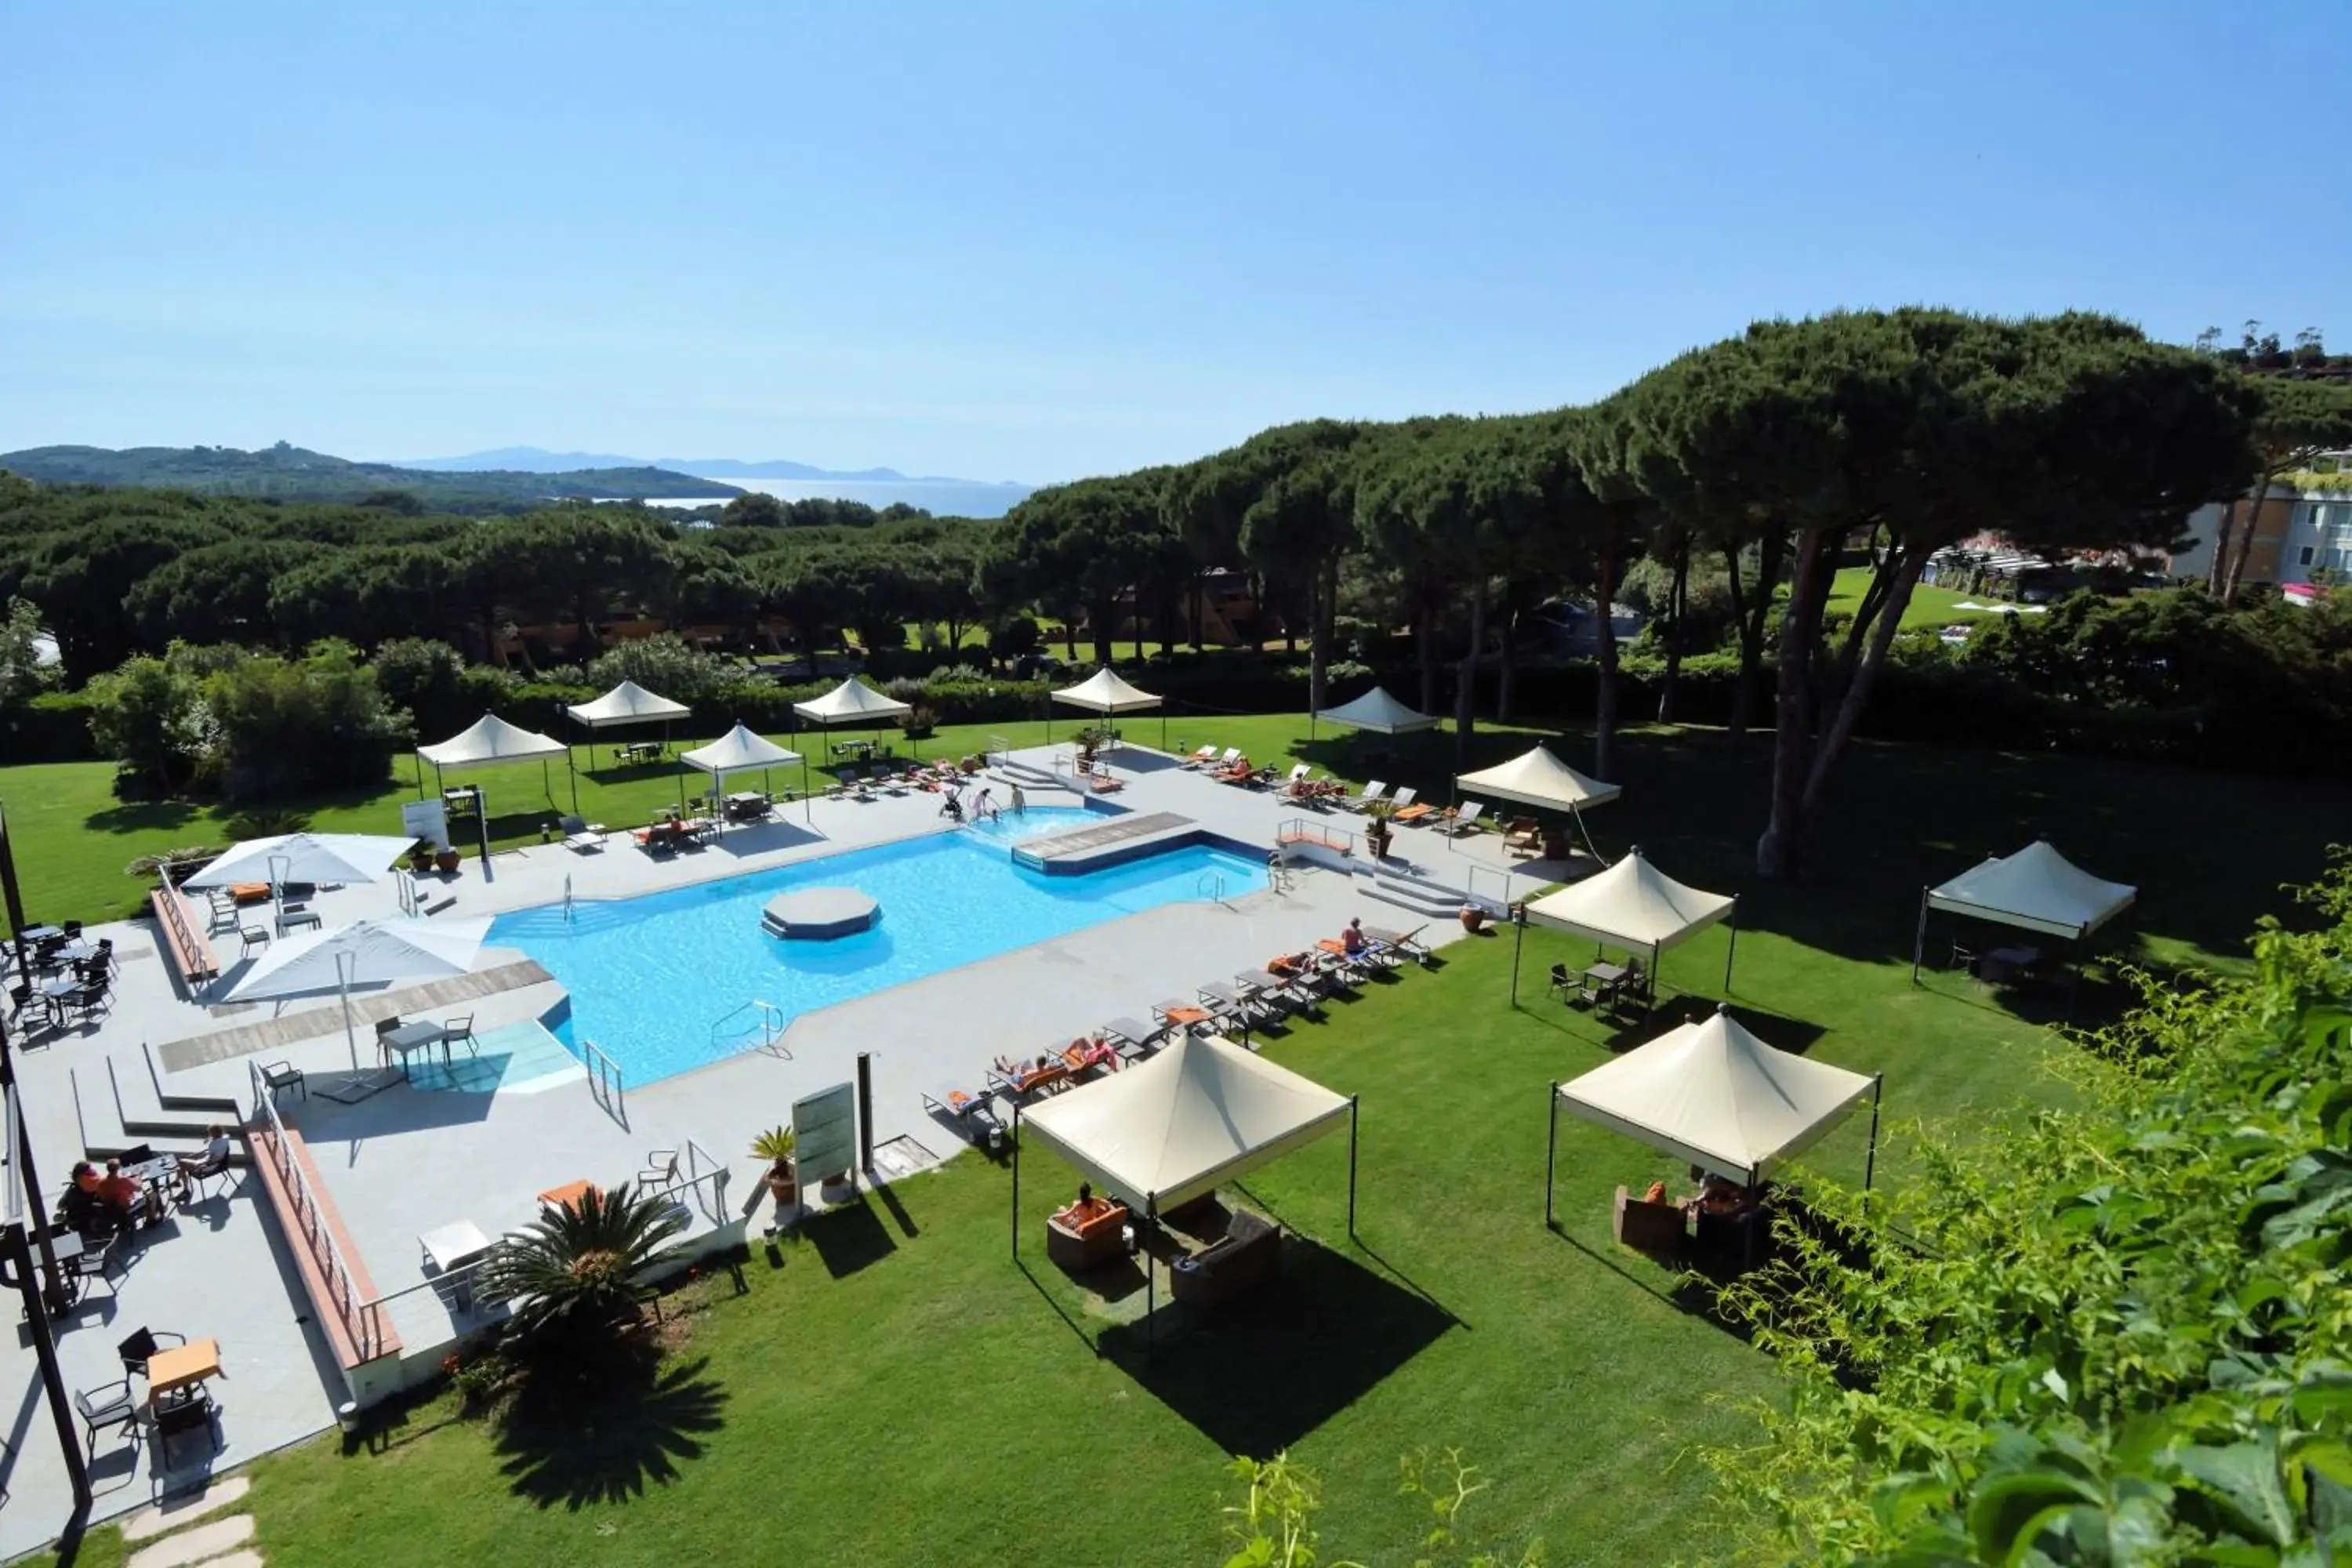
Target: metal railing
[[605, 1080], [361, 1319], [771, 1025], [1315, 830], [175, 915], [1211, 885], [1000, 749]]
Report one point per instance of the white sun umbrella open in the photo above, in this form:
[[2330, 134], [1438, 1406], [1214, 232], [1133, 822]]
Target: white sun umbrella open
[[321, 857], [365, 953], [851, 703]]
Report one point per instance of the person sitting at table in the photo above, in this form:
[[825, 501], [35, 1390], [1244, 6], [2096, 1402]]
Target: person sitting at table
[[1718, 1197], [212, 1157], [85, 1177], [126, 1192]]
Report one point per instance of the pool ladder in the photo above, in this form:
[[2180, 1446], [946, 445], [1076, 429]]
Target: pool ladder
[[770, 1025], [1211, 885]]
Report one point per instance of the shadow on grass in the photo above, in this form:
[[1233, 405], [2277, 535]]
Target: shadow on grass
[[143, 817], [849, 1237], [608, 1430], [1256, 1376]]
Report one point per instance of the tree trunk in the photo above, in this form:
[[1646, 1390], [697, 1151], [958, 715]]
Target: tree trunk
[[1867, 615], [1675, 598], [1465, 679], [1776, 851], [1070, 637], [1199, 575], [1913, 565], [1100, 619], [1139, 623], [1604, 701], [1318, 642], [1425, 647], [1506, 669], [2246, 536], [2217, 572], [1749, 615]]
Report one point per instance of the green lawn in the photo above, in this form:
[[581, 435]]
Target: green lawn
[[1930, 607], [893, 1389]]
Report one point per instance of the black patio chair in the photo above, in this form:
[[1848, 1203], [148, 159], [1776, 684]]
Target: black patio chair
[[104, 1409], [94, 1264], [142, 1344], [1562, 983]]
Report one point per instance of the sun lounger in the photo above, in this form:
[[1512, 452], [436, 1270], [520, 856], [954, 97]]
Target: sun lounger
[[1234, 1003], [1294, 991], [1177, 1015], [1201, 758], [1462, 821], [885, 779], [961, 1106], [1406, 942], [1338, 960], [1375, 791], [1401, 804], [1414, 815], [581, 836], [1133, 1039], [1028, 1084]]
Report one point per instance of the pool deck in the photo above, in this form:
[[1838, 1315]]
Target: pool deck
[[409, 1160]]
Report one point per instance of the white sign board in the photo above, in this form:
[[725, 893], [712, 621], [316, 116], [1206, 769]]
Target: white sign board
[[425, 819], [824, 1132]]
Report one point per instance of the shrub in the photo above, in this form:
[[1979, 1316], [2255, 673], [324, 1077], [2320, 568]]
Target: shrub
[[571, 1274], [295, 727], [665, 664], [151, 719]]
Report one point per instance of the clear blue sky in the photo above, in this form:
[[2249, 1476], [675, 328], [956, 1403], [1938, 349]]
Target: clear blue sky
[[1032, 242]]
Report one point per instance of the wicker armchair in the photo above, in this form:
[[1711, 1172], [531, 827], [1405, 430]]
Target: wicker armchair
[[1078, 1246], [1648, 1227], [1246, 1257]]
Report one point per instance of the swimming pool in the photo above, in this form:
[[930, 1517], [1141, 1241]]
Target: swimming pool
[[666, 983]]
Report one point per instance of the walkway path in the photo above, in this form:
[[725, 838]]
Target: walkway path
[[169, 1536]]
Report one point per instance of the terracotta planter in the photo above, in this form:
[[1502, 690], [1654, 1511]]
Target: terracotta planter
[[1378, 839], [446, 860], [783, 1185], [1473, 918]]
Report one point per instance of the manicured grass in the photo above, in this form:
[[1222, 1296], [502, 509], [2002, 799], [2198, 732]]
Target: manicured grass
[[1930, 607], [893, 1389]]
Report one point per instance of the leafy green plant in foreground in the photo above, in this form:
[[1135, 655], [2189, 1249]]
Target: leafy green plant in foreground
[[2120, 1336]]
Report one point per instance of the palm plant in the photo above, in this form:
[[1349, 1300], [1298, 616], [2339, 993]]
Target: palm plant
[[574, 1271]]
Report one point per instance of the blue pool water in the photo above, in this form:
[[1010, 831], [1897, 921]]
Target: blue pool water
[[662, 983]]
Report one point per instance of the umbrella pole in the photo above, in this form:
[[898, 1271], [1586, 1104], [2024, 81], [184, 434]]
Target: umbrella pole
[[1870, 1162], [1551, 1152], [350, 1032]]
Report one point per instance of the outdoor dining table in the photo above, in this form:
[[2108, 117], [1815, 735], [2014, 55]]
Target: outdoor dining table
[[411, 1036], [295, 916], [41, 934], [638, 751], [182, 1368], [53, 992]]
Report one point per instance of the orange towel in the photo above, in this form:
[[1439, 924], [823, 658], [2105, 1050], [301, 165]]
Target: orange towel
[[1186, 1016]]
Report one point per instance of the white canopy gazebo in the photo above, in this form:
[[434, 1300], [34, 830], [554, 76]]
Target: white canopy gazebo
[[1108, 693], [1715, 1095], [1535, 777], [2036, 889], [738, 750], [491, 740], [851, 703], [1178, 1125], [1377, 711], [1632, 905]]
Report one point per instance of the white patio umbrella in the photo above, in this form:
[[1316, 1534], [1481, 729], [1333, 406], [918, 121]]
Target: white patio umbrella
[[365, 953], [284, 857]]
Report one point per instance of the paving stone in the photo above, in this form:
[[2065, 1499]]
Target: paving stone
[[245, 1557], [185, 1509], [200, 1545]]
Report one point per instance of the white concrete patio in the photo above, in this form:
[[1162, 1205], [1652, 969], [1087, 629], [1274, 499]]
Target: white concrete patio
[[410, 1160]]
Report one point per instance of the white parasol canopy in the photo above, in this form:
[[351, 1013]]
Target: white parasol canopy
[[366, 953], [628, 703], [304, 857], [738, 749], [2036, 889], [491, 740], [1173, 1128], [1536, 777], [1106, 692], [851, 703], [1716, 1096], [1631, 904], [1378, 711]]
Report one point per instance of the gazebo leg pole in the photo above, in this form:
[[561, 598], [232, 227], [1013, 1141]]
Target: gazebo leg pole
[[1552, 1148], [1353, 1102], [1870, 1160], [1518, 941], [1016, 1180], [1150, 1285], [1920, 942], [572, 769], [1733, 951]]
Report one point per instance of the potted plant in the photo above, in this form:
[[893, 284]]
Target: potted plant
[[1473, 918], [446, 860], [1377, 831], [775, 1146], [420, 859]]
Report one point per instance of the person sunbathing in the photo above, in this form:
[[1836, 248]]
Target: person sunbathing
[[1351, 941], [1086, 1210]]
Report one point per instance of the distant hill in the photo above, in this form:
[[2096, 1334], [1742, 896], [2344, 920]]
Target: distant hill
[[291, 473], [538, 460]]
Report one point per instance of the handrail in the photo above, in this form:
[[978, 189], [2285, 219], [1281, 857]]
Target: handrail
[[604, 1079], [1000, 747], [360, 1317], [771, 1024], [176, 916], [1211, 885], [1316, 830]]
